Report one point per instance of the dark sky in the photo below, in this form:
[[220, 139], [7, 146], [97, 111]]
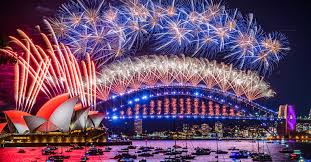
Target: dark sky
[[291, 79]]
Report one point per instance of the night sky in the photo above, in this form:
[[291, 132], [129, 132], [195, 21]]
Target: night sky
[[291, 79]]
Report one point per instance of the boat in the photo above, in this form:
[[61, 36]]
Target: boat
[[187, 157], [76, 147], [142, 160], [68, 150], [84, 159], [201, 152], [125, 155], [233, 149], [201, 148], [262, 157], [131, 147], [107, 149], [126, 160], [51, 147], [145, 148], [58, 158], [296, 155], [221, 152], [286, 150], [123, 150], [158, 149], [184, 149], [145, 154], [47, 151], [176, 146], [21, 151], [239, 155], [173, 159], [94, 151], [173, 152]]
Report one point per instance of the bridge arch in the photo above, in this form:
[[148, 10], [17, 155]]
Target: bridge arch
[[171, 102], [124, 79]]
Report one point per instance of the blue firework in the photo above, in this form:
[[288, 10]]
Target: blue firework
[[197, 28]]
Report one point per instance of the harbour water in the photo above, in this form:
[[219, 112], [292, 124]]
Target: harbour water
[[272, 147]]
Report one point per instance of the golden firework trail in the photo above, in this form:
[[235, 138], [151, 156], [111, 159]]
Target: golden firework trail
[[50, 68]]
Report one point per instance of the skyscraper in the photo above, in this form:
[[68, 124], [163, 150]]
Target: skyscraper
[[219, 129], [138, 126], [204, 129]]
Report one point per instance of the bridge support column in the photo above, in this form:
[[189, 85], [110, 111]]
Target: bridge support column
[[287, 112]]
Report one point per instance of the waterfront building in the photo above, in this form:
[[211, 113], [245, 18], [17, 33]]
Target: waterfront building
[[219, 129], [205, 129]]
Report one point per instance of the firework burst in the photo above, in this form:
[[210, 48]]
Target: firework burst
[[150, 71], [195, 28]]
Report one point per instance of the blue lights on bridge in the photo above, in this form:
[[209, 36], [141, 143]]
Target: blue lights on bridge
[[115, 117], [124, 107]]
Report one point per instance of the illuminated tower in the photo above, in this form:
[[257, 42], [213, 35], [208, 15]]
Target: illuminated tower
[[129, 112], [210, 108], [238, 113], [224, 110], [166, 106], [196, 106], [145, 112], [138, 127], [137, 107], [152, 107], [232, 111], [203, 112], [181, 105], [217, 109], [188, 106], [159, 107], [174, 106], [122, 114]]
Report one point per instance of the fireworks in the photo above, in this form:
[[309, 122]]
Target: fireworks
[[155, 70], [53, 71], [200, 28]]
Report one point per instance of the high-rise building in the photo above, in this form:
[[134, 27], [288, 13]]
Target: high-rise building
[[282, 111], [138, 127], [204, 129], [185, 128], [219, 129], [245, 133]]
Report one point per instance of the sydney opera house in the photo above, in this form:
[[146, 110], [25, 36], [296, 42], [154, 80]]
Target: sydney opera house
[[60, 113], [63, 115]]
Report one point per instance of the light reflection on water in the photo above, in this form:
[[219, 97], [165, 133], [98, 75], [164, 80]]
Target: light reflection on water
[[11, 155]]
